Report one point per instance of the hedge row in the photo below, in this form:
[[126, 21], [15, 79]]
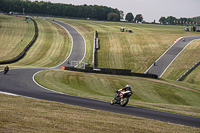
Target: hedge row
[[125, 72], [23, 53]]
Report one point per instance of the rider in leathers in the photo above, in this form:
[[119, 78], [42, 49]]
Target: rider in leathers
[[6, 69], [127, 89]]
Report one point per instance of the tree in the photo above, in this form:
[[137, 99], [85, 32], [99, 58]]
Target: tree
[[58, 9], [121, 14], [162, 20], [170, 19], [112, 17], [129, 17], [138, 18]]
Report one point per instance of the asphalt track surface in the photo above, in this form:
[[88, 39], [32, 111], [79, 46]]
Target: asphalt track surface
[[21, 82], [162, 63]]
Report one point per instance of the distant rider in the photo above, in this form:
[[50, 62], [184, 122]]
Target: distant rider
[[127, 89], [6, 69]]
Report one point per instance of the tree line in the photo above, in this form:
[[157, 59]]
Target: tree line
[[181, 21], [58, 9]]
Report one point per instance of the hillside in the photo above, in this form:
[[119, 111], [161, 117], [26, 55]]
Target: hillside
[[137, 50], [51, 48], [15, 35]]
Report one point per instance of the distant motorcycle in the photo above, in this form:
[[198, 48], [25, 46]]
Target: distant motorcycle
[[6, 69], [121, 98]]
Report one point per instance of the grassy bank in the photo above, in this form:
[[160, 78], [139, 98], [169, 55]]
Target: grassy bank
[[50, 49], [185, 61], [154, 94], [20, 114], [140, 49], [13, 30], [135, 51]]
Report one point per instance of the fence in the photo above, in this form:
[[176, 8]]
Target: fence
[[124, 72], [23, 53], [188, 72], [95, 48]]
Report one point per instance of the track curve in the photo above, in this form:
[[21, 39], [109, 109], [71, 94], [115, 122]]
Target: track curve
[[20, 82]]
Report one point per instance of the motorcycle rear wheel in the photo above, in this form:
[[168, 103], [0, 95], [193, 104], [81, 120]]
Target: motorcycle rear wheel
[[124, 102]]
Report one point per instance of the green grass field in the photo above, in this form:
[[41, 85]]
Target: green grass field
[[135, 51], [148, 93], [12, 30], [40, 116], [138, 50], [50, 49]]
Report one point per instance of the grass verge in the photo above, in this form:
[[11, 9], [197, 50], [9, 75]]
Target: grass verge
[[50, 49], [19, 114], [147, 93], [13, 30]]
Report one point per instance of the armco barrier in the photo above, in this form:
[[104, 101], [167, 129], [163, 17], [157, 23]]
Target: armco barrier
[[95, 48], [188, 72], [124, 72], [23, 53]]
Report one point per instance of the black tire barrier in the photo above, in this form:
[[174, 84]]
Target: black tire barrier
[[23, 53], [124, 72]]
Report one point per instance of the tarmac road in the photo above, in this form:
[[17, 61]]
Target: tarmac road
[[170, 55], [20, 82]]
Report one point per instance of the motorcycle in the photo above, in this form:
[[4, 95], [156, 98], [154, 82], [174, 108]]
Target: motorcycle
[[120, 95], [6, 69]]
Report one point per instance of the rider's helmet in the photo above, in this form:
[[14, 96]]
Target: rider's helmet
[[127, 85]]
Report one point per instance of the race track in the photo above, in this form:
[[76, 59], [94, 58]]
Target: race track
[[20, 82], [162, 63]]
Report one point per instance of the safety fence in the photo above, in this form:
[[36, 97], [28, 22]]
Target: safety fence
[[23, 53], [124, 72], [95, 48], [188, 72]]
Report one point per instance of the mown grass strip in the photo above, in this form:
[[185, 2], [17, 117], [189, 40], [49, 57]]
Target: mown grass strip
[[19, 114], [50, 49], [16, 35]]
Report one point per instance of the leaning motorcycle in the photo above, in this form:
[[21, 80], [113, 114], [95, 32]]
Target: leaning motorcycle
[[121, 98], [5, 71]]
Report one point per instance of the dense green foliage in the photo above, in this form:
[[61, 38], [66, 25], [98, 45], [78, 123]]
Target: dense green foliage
[[172, 20], [58, 9], [129, 17], [112, 17]]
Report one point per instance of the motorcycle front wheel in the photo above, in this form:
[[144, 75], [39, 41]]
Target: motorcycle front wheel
[[112, 101], [124, 102]]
